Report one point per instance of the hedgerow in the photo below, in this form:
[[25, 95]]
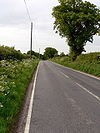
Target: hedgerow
[[10, 53]]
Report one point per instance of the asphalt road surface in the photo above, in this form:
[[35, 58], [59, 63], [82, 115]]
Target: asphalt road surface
[[65, 101]]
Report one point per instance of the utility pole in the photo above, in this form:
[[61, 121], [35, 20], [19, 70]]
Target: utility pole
[[31, 39], [39, 53], [28, 13]]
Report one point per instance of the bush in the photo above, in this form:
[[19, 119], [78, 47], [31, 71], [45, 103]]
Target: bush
[[10, 53]]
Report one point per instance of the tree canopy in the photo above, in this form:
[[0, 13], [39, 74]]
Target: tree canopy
[[36, 54], [62, 54], [78, 21], [50, 52]]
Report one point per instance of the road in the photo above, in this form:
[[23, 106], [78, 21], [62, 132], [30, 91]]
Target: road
[[65, 101]]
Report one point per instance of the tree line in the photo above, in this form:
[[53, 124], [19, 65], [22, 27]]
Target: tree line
[[10, 53], [48, 53], [7, 53]]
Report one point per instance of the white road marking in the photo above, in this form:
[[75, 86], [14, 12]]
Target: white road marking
[[64, 74], [98, 98], [27, 126], [77, 71]]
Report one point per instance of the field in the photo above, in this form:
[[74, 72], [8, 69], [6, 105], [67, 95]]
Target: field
[[89, 63], [15, 76]]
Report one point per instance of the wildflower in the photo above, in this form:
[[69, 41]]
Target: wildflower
[[1, 106], [2, 88]]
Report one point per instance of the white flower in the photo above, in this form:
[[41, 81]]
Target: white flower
[[1, 106], [2, 88]]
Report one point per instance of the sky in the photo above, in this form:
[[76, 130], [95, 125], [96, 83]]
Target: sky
[[15, 26]]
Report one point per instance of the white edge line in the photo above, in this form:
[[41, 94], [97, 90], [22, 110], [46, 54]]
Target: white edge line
[[78, 71], [88, 91], [79, 84], [64, 74], [84, 88], [27, 126]]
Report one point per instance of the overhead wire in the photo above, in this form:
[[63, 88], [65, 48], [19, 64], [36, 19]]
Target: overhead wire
[[28, 13], [31, 20]]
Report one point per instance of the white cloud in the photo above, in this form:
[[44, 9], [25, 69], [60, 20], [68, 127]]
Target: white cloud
[[15, 26], [96, 2]]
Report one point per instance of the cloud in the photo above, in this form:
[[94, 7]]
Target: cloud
[[96, 2], [15, 25], [12, 12]]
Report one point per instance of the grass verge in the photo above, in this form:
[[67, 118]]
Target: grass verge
[[14, 79], [89, 63]]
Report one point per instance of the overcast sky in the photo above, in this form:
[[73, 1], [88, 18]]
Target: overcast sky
[[15, 26]]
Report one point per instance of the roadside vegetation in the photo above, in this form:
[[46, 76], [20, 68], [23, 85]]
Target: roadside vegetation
[[78, 21], [10, 53], [50, 53], [89, 63], [15, 74]]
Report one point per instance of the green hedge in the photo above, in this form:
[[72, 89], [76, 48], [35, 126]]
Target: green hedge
[[11, 53]]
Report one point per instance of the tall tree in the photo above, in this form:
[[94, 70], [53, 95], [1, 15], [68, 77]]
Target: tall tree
[[50, 52], [78, 21]]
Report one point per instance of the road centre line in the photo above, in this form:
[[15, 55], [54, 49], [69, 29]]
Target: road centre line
[[83, 88], [28, 120], [89, 75], [98, 98], [64, 74]]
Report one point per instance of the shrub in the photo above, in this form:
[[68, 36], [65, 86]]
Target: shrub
[[10, 53]]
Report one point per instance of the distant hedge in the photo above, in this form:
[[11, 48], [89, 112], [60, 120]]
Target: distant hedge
[[10, 53]]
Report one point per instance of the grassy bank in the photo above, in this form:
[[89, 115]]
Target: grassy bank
[[89, 63], [14, 79]]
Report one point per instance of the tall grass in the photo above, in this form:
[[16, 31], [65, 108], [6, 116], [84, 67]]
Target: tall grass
[[88, 63], [14, 79]]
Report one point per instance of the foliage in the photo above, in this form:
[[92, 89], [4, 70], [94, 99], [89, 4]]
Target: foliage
[[89, 63], [62, 54], [50, 52], [78, 21], [11, 53], [14, 78], [36, 54]]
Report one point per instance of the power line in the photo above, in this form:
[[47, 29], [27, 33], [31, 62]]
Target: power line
[[27, 10], [28, 13]]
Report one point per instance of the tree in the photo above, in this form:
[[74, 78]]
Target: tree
[[50, 52], [78, 21], [36, 54], [62, 54]]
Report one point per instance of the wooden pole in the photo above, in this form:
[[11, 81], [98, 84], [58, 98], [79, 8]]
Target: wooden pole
[[39, 53], [31, 39]]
